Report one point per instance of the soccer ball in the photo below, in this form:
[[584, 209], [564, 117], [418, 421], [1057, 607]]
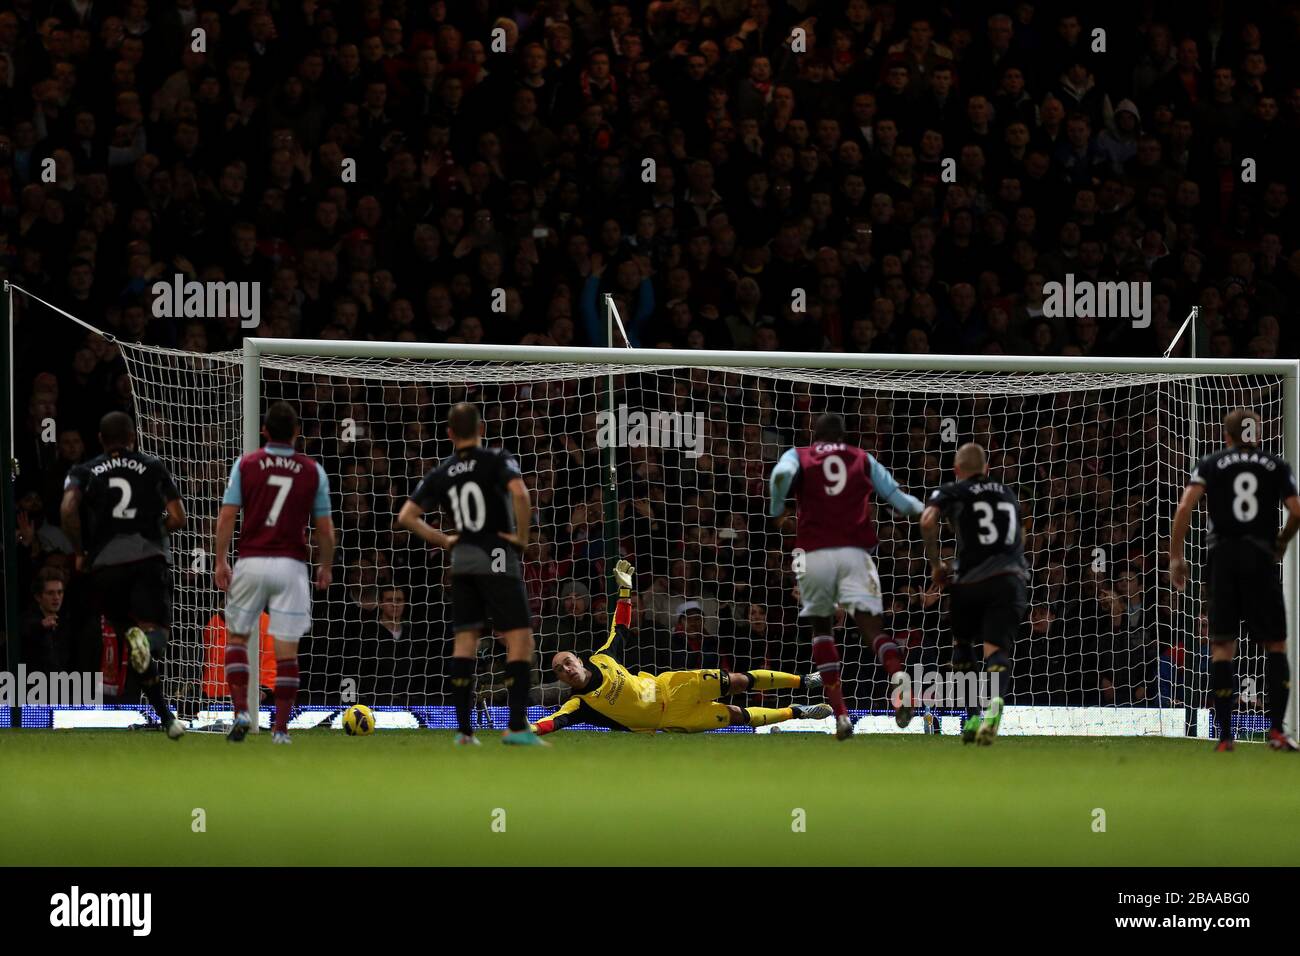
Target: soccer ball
[[359, 721]]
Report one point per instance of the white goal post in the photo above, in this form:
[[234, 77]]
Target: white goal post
[[1099, 450], [1196, 394]]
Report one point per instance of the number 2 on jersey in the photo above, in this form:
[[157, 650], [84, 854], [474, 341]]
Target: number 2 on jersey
[[122, 510]]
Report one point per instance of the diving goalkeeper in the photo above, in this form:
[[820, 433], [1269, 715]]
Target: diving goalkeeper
[[607, 694]]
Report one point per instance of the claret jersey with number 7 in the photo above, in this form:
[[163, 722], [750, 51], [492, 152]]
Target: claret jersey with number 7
[[471, 486], [279, 490]]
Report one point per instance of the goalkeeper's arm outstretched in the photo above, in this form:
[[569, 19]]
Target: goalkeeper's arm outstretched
[[607, 694]]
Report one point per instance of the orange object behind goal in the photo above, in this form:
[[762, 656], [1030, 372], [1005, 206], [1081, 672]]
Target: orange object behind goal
[[214, 656]]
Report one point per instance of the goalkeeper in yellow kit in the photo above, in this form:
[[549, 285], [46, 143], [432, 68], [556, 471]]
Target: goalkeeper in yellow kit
[[607, 694]]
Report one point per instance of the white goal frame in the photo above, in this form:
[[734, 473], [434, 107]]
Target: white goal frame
[[254, 349]]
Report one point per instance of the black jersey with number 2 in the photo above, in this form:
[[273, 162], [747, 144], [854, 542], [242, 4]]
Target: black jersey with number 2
[[1244, 488], [985, 518], [124, 499], [471, 487]]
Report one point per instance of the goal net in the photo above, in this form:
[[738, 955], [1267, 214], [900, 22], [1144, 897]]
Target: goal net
[[1098, 458]]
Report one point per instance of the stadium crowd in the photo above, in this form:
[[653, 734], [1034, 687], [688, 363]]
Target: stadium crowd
[[738, 174]]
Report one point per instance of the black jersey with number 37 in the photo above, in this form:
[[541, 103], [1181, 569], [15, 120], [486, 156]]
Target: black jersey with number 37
[[471, 487], [985, 518], [1244, 488]]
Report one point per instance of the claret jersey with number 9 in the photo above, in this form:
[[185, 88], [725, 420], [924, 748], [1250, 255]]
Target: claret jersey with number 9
[[833, 490]]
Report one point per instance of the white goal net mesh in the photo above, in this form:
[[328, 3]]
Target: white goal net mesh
[[1098, 460]]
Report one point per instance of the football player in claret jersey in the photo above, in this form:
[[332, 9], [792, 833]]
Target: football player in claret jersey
[[280, 491], [607, 694], [832, 482], [987, 584], [1243, 486], [130, 503], [489, 504]]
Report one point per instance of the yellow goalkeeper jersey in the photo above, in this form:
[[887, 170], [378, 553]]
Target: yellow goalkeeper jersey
[[614, 697]]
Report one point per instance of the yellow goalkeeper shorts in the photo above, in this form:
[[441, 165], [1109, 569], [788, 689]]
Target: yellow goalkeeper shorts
[[690, 702]]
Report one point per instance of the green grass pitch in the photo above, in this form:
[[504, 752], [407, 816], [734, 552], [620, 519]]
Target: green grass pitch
[[411, 798]]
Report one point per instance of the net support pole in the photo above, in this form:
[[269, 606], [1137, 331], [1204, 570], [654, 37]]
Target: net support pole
[[1291, 563], [8, 504], [610, 464], [252, 431]]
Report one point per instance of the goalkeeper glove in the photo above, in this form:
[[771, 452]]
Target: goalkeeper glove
[[544, 727], [623, 572]]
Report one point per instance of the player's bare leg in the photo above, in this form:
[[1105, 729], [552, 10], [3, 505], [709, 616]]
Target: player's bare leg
[[890, 657], [141, 640], [462, 683], [826, 659], [519, 671], [1222, 685], [766, 716], [1278, 677], [237, 676], [286, 688]]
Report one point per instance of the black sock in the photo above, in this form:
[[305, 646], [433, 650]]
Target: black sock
[[998, 664], [151, 684], [151, 678], [461, 671], [1278, 675], [518, 679], [1221, 685]]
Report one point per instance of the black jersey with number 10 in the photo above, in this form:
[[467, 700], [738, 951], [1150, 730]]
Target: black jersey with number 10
[[471, 486], [1244, 488]]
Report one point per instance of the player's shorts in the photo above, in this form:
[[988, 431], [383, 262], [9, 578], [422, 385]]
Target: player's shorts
[[1245, 584], [843, 576], [489, 601], [127, 594], [691, 702], [988, 611], [278, 586]]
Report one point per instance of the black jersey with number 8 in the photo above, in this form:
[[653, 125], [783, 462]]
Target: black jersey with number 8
[[1244, 488]]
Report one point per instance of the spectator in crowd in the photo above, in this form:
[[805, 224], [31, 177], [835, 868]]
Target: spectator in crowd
[[46, 634]]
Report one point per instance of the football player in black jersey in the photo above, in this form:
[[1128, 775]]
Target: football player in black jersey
[[987, 582], [487, 498], [1243, 486], [129, 503]]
